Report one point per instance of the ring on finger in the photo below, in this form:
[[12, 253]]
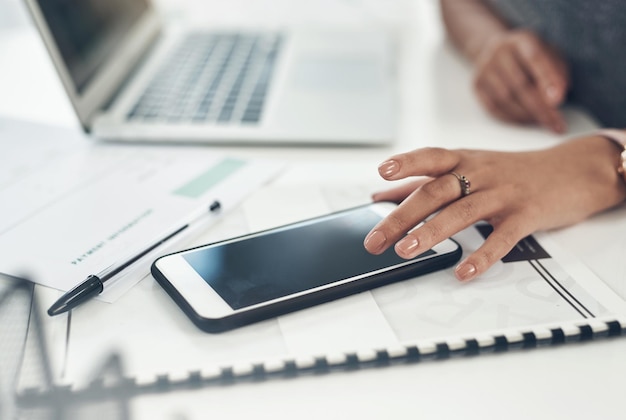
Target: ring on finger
[[464, 183]]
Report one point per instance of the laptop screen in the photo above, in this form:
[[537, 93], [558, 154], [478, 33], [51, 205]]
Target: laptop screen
[[88, 31]]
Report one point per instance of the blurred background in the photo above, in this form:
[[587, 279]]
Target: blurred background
[[12, 12]]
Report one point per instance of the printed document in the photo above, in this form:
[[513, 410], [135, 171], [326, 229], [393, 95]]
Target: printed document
[[71, 207]]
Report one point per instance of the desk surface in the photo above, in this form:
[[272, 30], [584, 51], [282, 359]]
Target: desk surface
[[436, 107]]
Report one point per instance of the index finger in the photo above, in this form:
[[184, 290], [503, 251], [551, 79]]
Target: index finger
[[550, 117], [421, 203], [527, 92], [429, 161], [549, 76]]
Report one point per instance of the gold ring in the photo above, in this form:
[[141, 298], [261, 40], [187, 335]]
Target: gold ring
[[464, 183]]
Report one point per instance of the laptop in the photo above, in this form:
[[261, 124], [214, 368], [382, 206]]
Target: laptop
[[130, 78]]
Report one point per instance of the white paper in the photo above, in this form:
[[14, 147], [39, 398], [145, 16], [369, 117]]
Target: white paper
[[72, 207]]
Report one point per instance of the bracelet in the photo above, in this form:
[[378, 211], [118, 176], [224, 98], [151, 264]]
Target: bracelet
[[618, 137]]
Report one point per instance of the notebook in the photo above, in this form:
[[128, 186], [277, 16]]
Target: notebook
[[27, 368], [130, 77]]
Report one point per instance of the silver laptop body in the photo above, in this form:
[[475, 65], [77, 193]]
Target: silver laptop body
[[129, 78]]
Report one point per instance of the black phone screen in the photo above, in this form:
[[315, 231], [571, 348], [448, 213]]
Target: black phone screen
[[291, 260]]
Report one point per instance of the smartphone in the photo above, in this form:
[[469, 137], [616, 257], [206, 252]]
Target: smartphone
[[238, 281]]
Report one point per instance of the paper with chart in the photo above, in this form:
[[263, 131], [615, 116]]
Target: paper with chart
[[520, 294], [72, 207]]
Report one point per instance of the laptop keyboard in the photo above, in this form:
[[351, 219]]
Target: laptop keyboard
[[212, 77]]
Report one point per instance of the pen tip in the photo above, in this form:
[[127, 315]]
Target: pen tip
[[91, 287], [57, 309]]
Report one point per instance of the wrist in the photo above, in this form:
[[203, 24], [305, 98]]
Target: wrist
[[476, 46]]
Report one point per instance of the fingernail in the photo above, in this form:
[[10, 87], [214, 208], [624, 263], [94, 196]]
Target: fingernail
[[375, 241], [465, 271], [407, 246], [388, 168], [552, 94]]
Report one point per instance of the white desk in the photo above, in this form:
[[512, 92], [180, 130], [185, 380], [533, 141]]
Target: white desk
[[436, 108]]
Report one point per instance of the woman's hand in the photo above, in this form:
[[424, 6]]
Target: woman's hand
[[517, 193], [522, 80]]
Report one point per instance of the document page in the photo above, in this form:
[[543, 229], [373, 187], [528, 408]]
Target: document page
[[72, 207]]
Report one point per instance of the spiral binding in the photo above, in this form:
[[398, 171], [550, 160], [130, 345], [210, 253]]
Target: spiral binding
[[300, 366]]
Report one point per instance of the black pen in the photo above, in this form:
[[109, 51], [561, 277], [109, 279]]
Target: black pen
[[93, 285]]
